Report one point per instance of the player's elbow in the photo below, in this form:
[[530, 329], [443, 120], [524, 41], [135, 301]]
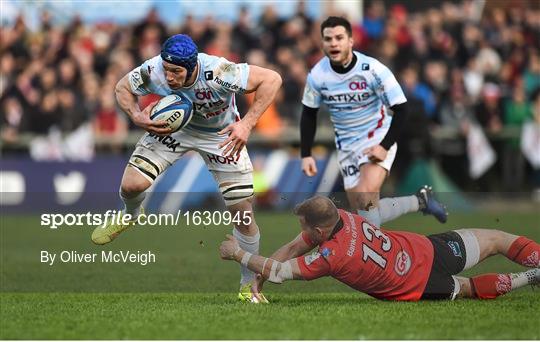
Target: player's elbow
[[276, 79], [121, 86], [273, 79]]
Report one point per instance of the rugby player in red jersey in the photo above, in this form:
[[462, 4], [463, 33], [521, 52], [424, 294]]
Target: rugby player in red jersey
[[391, 265]]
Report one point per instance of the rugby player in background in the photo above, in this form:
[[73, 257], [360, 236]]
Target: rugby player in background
[[359, 92]]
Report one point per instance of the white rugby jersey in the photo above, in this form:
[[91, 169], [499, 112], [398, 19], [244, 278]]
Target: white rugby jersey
[[212, 93], [358, 100]]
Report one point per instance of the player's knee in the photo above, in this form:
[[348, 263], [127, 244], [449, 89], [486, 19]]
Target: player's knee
[[364, 197], [367, 189], [491, 240], [242, 215], [133, 187], [236, 188], [500, 241], [367, 196]]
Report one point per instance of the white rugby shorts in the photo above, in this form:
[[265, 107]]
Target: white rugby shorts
[[351, 159], [154, 154]]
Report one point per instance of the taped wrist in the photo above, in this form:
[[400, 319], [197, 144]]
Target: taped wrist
[[245, 258], [280, 272]]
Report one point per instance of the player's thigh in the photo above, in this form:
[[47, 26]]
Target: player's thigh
[[366, 192], [449, 259], [372, 175], [363, 179], [151, 157], [486, 242], [233, 175]]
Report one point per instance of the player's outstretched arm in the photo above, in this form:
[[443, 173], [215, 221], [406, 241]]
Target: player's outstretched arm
[[273, 270], [292, 249], [265, 83], [128, 103]]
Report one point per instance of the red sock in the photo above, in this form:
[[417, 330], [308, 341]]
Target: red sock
[[525, 252], [490, 286]]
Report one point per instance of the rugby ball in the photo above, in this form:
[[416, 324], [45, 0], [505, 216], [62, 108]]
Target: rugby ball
[[176, 110]]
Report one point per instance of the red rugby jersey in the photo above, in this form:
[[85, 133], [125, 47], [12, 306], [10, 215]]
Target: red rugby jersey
[[384, 264]]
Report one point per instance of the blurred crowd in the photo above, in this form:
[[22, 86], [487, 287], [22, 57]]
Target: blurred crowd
[[458, 64]]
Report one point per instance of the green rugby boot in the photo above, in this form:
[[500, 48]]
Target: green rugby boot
[[109, 231]]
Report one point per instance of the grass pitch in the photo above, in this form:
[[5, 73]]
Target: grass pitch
[[189, 293]]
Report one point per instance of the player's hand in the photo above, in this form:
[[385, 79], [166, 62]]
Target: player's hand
[[376, 153], [259, 282], [142, 119], [228, 248], [238, 136], [309, 166]]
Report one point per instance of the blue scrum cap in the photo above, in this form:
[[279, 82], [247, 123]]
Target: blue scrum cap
[[180, 50]]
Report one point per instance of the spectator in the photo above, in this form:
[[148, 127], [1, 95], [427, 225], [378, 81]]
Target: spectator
[[152, 22], [458, 63], [488, 112], [110, 129], [517, 110], [13, 120], [72, 111], [373, 22], [531, 75], [413, 87]]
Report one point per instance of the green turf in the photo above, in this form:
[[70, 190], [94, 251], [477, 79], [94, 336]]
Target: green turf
[[189, 293]]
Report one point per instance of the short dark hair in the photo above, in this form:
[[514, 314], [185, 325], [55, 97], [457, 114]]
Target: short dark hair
[[337, 21], [318, 211]]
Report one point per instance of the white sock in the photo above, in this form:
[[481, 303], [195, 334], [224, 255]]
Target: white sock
[[372, 216], [393, 207], [248, 244], [523, 278], [132, 205]]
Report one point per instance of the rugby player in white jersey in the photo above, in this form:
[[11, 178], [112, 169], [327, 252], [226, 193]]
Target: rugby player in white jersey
[[216, 132], [367, 108]]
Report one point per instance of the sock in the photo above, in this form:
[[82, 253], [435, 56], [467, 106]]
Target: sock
[[490, 286], [372, 216], [393, 207], [132, 205], [249, 244], [525, 252]]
